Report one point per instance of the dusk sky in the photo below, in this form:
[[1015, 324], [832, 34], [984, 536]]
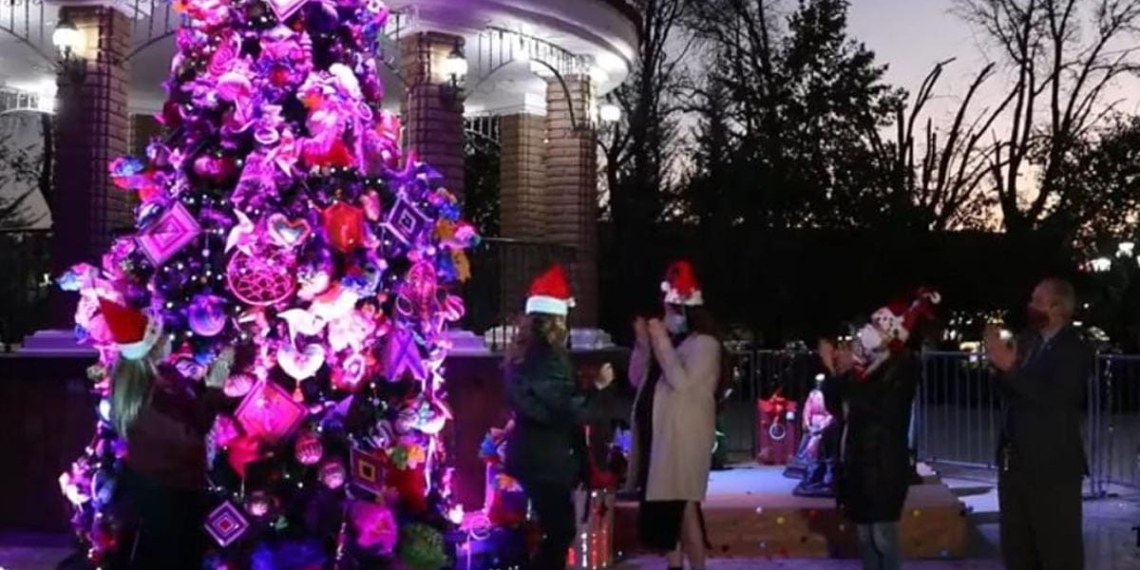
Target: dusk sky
[[912, 35]]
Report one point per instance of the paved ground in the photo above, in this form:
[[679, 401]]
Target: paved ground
[[1109, 539]]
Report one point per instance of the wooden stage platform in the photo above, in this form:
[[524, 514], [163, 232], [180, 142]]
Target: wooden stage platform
[[751, 512]]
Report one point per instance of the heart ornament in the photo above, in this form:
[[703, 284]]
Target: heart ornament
[[301, 364], [288, 233]]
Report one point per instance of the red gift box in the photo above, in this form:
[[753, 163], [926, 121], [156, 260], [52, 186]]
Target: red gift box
[[776, 430]]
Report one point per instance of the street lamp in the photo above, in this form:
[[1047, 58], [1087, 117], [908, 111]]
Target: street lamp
[[609, 113], [455, 69], [68, 40]]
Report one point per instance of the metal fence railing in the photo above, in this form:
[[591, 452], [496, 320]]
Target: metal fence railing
[[957, 414], [501, 270], [24, 286]]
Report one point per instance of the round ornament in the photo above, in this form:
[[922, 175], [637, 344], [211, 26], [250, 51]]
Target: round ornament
[[344, 224], [258, 504], [207, 315], [332, 474], [262, 278], [308, 449]]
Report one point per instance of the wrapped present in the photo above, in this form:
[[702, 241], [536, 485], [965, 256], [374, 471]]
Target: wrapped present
[[594, 545], [776, 430], [505, 502]]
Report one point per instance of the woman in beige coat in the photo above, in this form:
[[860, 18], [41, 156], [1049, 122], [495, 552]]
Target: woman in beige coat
[[676, 366]]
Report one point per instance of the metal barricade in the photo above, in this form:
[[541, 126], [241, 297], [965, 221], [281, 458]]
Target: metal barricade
[[957, 412]]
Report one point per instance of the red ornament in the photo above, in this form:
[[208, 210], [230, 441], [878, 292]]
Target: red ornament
[[308, 449], [344, 224]]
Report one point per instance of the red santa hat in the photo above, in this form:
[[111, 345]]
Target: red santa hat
[[550, 294], [680, 285], [898, 319], [134, 331]]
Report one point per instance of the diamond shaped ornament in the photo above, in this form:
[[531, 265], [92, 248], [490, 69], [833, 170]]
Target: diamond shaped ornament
[[285, 8], [226, 524]]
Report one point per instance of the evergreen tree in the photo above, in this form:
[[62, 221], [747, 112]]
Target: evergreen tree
[[286, 243]]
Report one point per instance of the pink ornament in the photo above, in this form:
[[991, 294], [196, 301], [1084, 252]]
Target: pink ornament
[[225, 430], [301, 364], [259, 504], [308, 449], [313, 281], [173, 231], [350, 373], [332, 474], [287, 233], [263, 277], [238, 385], [371, 202], [375, 526], [269, 413]]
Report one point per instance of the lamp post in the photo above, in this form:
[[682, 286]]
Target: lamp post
[[455, 70], [68, 40]]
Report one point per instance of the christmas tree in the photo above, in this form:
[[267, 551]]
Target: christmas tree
[[287, 243]]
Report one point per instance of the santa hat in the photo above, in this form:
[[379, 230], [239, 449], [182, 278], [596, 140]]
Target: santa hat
[[680, 285], [134, 331], [550, 294], [905, 317]]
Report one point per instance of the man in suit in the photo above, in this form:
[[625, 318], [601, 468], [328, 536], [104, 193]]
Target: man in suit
[[1041, 458]]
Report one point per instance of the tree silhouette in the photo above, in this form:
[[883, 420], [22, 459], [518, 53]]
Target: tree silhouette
[[1060, 58]]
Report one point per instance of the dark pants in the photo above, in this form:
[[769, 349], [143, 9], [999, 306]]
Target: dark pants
[[1040, 520], [554, 506], [168, 526]]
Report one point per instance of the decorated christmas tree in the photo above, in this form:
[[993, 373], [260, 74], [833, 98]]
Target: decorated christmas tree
[[285, 241]]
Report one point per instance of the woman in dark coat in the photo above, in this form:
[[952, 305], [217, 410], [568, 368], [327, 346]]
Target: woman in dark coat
[[875, 389], [546, 450]]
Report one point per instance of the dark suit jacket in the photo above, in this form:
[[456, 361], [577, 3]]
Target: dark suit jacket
[[1042, 396]]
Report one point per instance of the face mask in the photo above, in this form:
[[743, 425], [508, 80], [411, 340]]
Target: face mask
[[1038, 319], [676, 324]]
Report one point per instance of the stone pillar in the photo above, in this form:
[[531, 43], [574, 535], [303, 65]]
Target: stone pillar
[[522, 176], [571, 191], [432, 118], [91, 129]]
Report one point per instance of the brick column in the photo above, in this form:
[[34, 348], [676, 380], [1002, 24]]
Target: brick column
[[571, 192], [91, 129], [522, 176], [433, 123]]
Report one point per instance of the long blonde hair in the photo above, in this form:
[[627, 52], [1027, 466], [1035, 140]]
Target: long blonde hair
[[132, 383]]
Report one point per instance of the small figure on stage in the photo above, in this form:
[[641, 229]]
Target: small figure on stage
[[545, 450], [678, 367], [879, 379], [1041, 459], [824, 426]]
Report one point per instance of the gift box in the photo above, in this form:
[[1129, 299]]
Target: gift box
[[594, 546], [505, 502], [776, 430]]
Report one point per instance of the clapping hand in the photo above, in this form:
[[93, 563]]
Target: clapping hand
[[827, 354], [640, 331], [1002, 354], [657, 329]]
